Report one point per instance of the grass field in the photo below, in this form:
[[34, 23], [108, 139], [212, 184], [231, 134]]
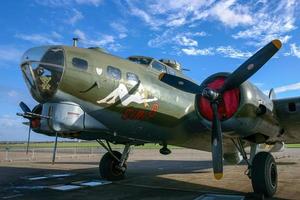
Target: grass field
[[83, 144], [89, 144]]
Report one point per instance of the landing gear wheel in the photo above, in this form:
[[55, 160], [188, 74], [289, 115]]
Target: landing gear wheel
[[109, 167], [264, 174]]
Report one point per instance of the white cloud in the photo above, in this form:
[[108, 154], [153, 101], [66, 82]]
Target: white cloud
[[154, 23], [40, 38], [120, 29], [294, 50], [102, 40], [167, 13], [89, 2], [64, 3], [224, 51], [170, 37], [13, 93], [229, 51], [286, 88], [231, 14], [80, 34], [9, 121], [200, 34], [184, 41], [195, 52], [171, 13], [257, 22], [176, 22], [122, 35], [75, 17], [272, 20], [11, 54]]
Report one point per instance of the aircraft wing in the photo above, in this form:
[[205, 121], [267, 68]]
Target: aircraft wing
[[288, 113]]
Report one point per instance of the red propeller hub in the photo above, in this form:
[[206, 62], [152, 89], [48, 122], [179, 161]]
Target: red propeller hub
[[227, 107]]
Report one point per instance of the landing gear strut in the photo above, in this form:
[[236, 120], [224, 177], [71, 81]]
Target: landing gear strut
[[113, 166], [262, 170]]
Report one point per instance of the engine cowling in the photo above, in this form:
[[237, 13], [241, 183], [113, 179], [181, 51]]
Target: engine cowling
[[243, 111]]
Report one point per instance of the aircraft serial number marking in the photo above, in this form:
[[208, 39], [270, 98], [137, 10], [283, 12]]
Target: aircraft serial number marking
[[135, 114]]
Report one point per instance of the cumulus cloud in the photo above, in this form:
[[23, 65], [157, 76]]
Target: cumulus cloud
[[10, 54], [272, 20], [170, 13], [74, 17], [63, 3], [89, 2], [184, 41], [230, 52], [120, 29], [258, 22], [102, 40], [196, 52], [52, 38], [231, 14], [294, 50], [9, 121], [224, 51], [171, 37], [286, 88]]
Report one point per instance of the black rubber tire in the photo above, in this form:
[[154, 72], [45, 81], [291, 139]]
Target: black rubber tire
[[264, 174], [108, 169]]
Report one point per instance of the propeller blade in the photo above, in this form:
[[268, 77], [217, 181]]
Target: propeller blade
[[251, 66], [180, 83], [24, 107], [28, 140], [216, 143]]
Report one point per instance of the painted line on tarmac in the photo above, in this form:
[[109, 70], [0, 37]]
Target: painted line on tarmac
[[12, 196], [200, 191], [219, 197], [48, 176], [65, 187]]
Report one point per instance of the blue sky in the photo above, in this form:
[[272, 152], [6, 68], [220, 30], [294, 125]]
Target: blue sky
[[205, 36]]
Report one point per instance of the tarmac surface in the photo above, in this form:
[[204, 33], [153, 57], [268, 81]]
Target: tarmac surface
[[185, 174]]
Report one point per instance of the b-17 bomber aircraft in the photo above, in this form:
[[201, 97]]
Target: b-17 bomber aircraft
[[89, 94]]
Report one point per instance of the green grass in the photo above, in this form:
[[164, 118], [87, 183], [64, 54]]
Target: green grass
[[89, 144], [293, 145]]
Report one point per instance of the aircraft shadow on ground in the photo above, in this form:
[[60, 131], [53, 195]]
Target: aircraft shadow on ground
[[142, 175]]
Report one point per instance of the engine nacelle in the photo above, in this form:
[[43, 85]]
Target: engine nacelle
[[244, 111], [66, 118]]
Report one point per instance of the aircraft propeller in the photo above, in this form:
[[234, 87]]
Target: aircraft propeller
[[26, 110], [215, 96]]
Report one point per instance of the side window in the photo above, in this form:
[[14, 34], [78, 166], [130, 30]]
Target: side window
[[159, 67], [292, 107], [80, 63], [114, 72], [132, 78]]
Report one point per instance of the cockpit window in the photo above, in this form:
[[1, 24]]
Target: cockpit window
[[80, 63], [159, 67], [54, 56], [42, 69], [141, 60]]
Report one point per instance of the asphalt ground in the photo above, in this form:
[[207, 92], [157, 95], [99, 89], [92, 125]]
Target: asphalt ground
[[185, 174]]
